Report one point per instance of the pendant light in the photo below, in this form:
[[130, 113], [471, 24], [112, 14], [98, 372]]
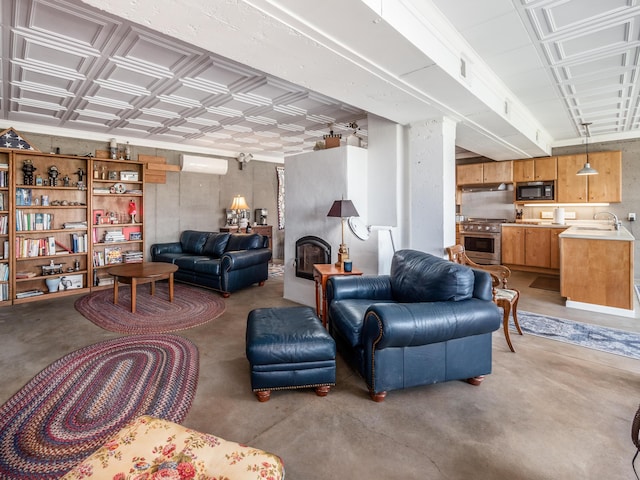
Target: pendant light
[[587, 170]]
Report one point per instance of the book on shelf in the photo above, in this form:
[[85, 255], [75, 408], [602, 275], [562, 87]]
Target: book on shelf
[[132, 256], [25, 274], [2, 199], [75, 225], [4, 272], [112, 255], [29, 293]]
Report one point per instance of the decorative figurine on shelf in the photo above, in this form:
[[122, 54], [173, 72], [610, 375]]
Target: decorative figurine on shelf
[[27, 170], [66, 181], [53, 176], [80, 173], [132, 211]]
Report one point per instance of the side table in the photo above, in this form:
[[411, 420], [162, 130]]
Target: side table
[[321, 272]]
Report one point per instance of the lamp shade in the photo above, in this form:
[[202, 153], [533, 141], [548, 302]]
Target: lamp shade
[[343, 208], [239, 203]]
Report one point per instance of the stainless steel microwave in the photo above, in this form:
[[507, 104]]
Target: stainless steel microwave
[[531, 191]]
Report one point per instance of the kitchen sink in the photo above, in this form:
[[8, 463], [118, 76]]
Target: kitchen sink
[[602, 229]]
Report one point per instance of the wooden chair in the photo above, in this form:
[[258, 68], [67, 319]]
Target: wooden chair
[[504, 297]]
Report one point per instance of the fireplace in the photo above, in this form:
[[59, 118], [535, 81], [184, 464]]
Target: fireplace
[[310, 250]]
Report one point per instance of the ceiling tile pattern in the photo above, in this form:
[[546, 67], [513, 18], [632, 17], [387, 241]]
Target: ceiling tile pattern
[[74, 67], [591, 48]]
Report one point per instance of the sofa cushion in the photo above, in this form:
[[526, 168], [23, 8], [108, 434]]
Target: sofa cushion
[[188, 262], [210, 266], [422, 277], [193, 242], [216, 244], [242, 241]]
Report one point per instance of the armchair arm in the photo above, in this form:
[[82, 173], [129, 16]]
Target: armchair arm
[[160, 248], [411, 324], [372, 287], [236, 260]]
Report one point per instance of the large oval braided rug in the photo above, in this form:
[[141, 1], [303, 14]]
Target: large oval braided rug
[[78, 402], [191, 307]]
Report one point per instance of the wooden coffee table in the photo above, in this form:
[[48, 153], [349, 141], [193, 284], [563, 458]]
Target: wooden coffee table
[[135, 274]]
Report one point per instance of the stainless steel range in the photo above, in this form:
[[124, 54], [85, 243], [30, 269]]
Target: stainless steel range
[[481, 238]]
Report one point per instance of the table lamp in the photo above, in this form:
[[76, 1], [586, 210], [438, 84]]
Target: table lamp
[[240, 205], [342, 209]]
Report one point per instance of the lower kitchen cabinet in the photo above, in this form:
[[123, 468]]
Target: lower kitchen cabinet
[[529, 246]]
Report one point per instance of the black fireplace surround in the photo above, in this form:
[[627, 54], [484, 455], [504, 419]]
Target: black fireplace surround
[[310, 250]]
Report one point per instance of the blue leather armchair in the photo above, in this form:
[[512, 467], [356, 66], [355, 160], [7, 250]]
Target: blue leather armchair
[[429, 321]]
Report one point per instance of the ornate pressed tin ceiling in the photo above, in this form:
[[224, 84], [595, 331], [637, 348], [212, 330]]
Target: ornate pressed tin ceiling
[[68, 65]]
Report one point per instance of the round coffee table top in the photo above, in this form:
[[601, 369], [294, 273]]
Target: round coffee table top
[[142, 270]]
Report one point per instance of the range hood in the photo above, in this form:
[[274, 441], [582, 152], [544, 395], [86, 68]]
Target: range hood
[[485, 187]]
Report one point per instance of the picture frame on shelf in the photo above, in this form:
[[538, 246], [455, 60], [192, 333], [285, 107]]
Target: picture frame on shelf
[[97, 216]]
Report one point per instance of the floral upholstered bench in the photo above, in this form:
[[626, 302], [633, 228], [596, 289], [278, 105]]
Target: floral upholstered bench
[[149, 447]]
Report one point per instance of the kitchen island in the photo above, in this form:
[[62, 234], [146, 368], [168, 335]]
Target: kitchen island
[[596, 269]]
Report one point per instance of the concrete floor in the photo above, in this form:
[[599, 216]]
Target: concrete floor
[[549, 411]]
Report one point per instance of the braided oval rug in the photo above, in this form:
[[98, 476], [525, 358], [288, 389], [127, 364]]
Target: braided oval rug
[[81, 400], [191, 306]]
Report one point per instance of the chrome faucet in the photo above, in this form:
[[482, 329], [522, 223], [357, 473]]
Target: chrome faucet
[[614, 217]]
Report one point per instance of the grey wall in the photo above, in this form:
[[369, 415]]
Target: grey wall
[[188, 200]]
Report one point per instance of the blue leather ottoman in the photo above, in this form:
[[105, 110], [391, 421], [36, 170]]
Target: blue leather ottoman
[[289, 348]]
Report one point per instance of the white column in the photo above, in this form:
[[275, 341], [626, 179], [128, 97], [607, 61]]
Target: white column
[[430, 212]]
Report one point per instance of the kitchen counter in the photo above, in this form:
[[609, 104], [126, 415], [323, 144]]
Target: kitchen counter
[[598, 232], [596, 269]]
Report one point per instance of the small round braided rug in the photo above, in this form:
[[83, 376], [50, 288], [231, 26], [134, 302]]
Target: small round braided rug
[[81, 400], [191, 307]]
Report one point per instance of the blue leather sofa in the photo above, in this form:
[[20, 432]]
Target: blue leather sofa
[[223, 261], [428, 321]]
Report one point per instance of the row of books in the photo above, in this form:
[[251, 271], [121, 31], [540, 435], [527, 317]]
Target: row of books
[[4, 178], [110, 256], [3, 199], [4, 272], [33, 221], [5, 249], [79, 243], [4, 292], [4, 224], [38, 247], [132, 256]]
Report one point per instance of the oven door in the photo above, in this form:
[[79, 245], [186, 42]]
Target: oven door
[[482, 248]]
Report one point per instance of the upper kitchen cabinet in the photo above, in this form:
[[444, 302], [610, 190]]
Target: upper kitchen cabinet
[[488, 172], [604, 187], [497, 172], [471, 174], [535, 169]]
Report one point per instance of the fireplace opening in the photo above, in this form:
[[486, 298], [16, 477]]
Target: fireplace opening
[[310, 250]]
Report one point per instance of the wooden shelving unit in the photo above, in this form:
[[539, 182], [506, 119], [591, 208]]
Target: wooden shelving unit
[[48, 231], [59, 225], [115, 185]]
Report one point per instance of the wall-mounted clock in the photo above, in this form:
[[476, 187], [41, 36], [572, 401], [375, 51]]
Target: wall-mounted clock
[[359, 228]]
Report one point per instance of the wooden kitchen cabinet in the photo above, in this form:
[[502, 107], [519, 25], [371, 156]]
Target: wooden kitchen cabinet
[[471, 174], [604, 187], [488, 172], [535, 169], [607, 185], [536, 248], [498, 172], [513, 245], [555, 247]]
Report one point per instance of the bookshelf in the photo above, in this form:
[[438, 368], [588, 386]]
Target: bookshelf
[[5, 208], [117, 187], [48, 224]]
